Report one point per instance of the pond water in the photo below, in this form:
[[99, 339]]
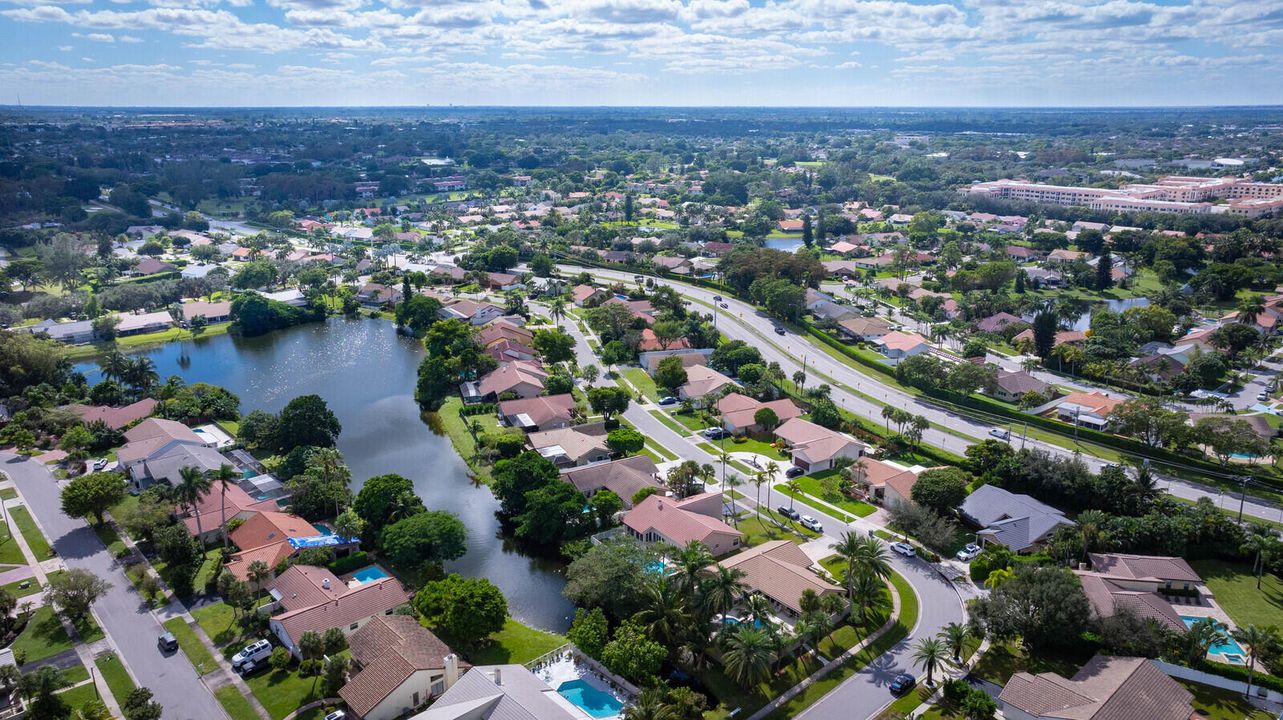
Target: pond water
[[785, 244], [366, 373]]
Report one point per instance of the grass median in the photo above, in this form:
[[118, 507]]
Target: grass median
[[192, 647]]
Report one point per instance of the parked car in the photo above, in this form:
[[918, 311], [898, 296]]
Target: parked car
[[788, 512], [100, 464], [1000, 433], [903, 683], [167, 643], [254, 652], [714, 433], [779, 330], [811, 523], [668, 400], [794, 471], [717, 298], [968, 553], [251, 667], [1263, 395], [904, 549]]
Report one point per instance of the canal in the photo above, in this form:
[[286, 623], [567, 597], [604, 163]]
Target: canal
[[366, 373]]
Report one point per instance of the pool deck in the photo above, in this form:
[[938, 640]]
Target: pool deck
[[565, 670]]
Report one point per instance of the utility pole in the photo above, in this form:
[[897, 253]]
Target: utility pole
[[1242, 498]]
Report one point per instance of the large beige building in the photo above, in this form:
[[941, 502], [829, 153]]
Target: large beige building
[[1172, 194]]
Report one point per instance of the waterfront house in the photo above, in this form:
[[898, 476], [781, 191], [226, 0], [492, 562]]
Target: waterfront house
[[399, 666], [678, 522]]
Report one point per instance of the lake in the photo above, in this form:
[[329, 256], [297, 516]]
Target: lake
[[785, 244], [366, 373]]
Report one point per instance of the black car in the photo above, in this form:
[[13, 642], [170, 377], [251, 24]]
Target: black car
[[903, 683], [788, 512], [167, 643], [780, 331], [793, 472]]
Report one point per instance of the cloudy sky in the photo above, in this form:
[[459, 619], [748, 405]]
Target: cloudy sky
[[641, 52]]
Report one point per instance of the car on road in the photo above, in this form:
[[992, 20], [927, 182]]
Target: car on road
[[794, 471], [968, 553], [811, 523], [904, 549], [668, 400], [254, 652], [1000, 433], [779, 330], [1263, 395], [903, 683], [717, 298], [100, 464], [167, 643], [715, 433], [337, 715], [788, 512], [723, 306]]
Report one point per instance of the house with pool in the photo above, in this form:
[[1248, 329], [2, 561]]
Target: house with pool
[[562, 686], [781, 572], [310, 598], [399, 666]]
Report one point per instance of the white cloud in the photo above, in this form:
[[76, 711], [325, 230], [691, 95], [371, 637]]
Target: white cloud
[[96, 37]]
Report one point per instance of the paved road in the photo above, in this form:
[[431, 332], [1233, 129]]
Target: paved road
[[741, 321], [121, 611]]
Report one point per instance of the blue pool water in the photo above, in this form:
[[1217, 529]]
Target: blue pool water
[[322, 529], [655, 568], [729, 621], [369, 574], [1229, 647], [595, 702]]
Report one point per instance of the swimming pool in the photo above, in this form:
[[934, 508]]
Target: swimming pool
[[322, 529], [598, 703], [369, 574], [1230, 649]]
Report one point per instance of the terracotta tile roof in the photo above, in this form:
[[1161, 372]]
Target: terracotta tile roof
[[540, 410], [780, 571], [702, 380], [510, 375], [1093, 401], [302, 586], [161, 428], [1108, 598], [389, 649], [1146, 567], [671, 520], [359, 603], [114, 417], [1107, 688], [649, 342]]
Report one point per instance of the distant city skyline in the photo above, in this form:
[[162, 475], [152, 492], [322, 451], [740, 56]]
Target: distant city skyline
[[776, 53]]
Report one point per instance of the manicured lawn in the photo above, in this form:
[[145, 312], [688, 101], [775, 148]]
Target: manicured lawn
[[694, 421], [1217, 704], [213, 558], [669, 422], [757, 531], [235, 704], [10, 553], [79, 696], [107, 534], [662, 452], [75, 674], [281, 693], [456, 427], [753, 445], [906, 704], [642, 382], [35, 539], [191, 646], [113, 672], [516, 643], [1234, 587], [8, 493], [43, 637], [136, 572], [1000, 662], [219, 622], [32, 588], [812, 485]]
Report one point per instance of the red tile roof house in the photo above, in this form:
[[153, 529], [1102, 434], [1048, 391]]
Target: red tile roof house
[[780, 571], [789, 226], [702, 381], [649, 342], [1106, 688], [504, 329], [265, 536], [586, 295], [886, 483], [815, 448], [998, 322], [539, 413], [1135, 583], [1087, 408], [677, 522], [210, 508], [313, 598], [402, 666], [624, 477], [113, 417], [525, 379], [898, 345], [739, 412], [572, 446]]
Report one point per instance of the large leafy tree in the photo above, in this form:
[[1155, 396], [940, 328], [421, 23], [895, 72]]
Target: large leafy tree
[[428, 538], [306, 420], [1042, 606], [89, 496], [385, 499], [74, 590], [941, 489], [464, 609], [515, 477]]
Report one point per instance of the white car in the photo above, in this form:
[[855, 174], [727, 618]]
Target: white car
[[968, 553], [336, 715], [254, 652], [811, 523], [1000, 433], [904, 549]]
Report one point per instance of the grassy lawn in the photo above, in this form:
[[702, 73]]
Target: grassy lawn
[[134, 342], [35, 539], [456, 428], [662, 453], [516, 643], [121, 509], [812, 485], [693, 422], [13, 589], [1234, 586], [235, 704], [1000, 662], [1217, 704], [107, 534], [906, 704], [752, 445], [10, 553], [8, 493], [219, 622], [135, 573], [113, 672], [75, 674], [757, 531], [281, 693], [669, 422], [207, 570], [79, 696], [191, 646], [642, 382], [43, 637]]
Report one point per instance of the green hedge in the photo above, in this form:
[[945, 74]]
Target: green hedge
[[480, 409], [1239, 672], [356, 560]]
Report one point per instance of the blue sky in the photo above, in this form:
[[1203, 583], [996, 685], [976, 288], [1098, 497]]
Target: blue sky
[[641, 52]]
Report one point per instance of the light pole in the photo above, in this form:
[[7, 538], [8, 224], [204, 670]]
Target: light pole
[[1242, 498]]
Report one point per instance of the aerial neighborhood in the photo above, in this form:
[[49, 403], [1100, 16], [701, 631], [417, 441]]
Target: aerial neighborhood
[[434, 416]]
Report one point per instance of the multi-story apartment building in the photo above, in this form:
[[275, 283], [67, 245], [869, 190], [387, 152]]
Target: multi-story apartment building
[[1172, 194]]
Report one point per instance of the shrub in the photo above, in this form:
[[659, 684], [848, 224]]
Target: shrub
[[343, 565], [280, 659]]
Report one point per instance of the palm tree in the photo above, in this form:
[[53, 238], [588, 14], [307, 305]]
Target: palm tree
[[114, 366], [649, 705], [758, 607], [758, 479], [729, 483], [794, 487], [867, 594], [140, 374], [998, 577], [928, 654], [1263, 544], [1200, 638], [748, 655], [721, 590], [955, 636], [259, 573], [1089, 524], [1250, 308], [888, 412], [224, 476], [863, 556], [557, 310], [192, 486], [691, 561], [664, 616], [772, 470], [1259, 641]]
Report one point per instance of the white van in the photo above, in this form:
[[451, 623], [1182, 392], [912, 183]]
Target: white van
[[255, 652]]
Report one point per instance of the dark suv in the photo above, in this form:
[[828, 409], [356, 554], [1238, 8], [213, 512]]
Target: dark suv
[[788, 512]]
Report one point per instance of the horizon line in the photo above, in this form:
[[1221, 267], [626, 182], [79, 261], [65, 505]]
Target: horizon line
[[1265, 106]]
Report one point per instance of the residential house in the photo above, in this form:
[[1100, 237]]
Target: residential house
[[844, 248], [625, 477], [116, 418], [998, 322], [140, 323], [524, 379], [71, 333], [1159, 367], [616, 256], [1020, 253], [265, 535], [1106, 688], [500, 692], [690, 358], [505, 329], [739, 412], [814, 297], [887, 484], [868, 329], [649, 342], [1042, 277], [472, 312], [572, 446], [1010, 386], [897, 345], [1060, 255], [166, 466], [502, 282], [314, 599], [213, 312], [1063, 337], [151, 266], [150, 439], [1016, 521], [507, 351], [782, 572], [702, 381], [378, 295], [587, 295], [292, 297], [829, 310], [400, 665], [789, 226], [1135, 583], [840, 268], [539, 413], [1087, 408], [678, 522], [814, 448], [210, 509], [677, 265]]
